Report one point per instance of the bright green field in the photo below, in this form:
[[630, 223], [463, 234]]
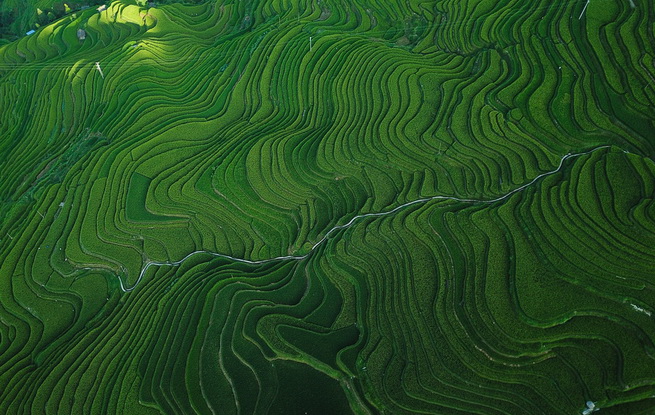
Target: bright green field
[[327, 207]]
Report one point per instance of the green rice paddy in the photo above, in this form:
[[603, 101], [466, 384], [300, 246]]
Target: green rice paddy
[[326, 207]]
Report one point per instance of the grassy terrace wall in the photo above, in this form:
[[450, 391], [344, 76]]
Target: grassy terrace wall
[[436, 207]]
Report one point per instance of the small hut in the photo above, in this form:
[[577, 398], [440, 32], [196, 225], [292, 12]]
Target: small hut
[[81, 34]]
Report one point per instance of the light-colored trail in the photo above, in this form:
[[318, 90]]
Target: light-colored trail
[[352, 221]]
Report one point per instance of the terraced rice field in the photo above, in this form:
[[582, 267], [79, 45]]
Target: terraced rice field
[[326, 207]]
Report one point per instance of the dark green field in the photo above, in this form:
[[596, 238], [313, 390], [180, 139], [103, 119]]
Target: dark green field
[[327, 207]]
